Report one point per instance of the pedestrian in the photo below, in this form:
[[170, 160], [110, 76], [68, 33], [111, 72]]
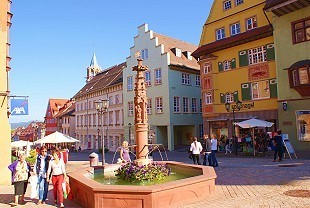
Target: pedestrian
[[196, 149], [57, 170], [206, 150], [213, 151], [227, 146], [278, 143], [40, 169], [20, 173], [124, 153]]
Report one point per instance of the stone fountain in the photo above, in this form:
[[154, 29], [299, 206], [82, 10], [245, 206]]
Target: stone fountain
[[92, 194]]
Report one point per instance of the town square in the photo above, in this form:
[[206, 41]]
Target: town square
[[209, 112]]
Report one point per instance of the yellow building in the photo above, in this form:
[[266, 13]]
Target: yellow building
[[236, 57], [291, 23], [5, 137]]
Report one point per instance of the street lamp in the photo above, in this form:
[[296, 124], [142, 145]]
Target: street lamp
[[102, 107], [129, 131], [234, 108], [98, 131]]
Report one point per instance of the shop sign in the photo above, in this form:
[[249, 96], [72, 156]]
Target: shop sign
[[19, 106], [244, 106]]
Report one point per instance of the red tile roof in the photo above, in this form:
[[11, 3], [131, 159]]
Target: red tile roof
[[171, 43], [235, 40], [56, 104]]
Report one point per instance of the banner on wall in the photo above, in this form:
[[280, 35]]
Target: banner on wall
[[19, 106]]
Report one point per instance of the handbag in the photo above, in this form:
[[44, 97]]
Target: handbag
[[190, 156]]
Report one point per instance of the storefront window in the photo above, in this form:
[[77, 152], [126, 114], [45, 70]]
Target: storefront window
[[303, 125]]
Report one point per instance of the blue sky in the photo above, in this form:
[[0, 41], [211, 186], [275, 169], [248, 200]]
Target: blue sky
[[52, 41]]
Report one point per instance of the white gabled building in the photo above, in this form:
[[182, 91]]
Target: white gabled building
[[173, 89]]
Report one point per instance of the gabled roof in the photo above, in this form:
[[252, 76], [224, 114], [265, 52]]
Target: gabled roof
[[67, 109], [172, 43], [235, 40], [55, 104], [104, 79]]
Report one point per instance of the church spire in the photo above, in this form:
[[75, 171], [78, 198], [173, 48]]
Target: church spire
[[94, 62], [93, 68]]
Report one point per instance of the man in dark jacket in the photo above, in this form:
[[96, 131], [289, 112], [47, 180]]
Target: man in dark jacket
[[206, 145], [278, 143]]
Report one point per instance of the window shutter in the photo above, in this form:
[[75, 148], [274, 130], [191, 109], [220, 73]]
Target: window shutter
[[270, 52], [236, 98], [243, 58], [220, 66], [222, 96], [246, 91], [273, 88], [233, 63]]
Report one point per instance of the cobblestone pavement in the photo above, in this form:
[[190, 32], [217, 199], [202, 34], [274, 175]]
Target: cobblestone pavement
[[242, 182]]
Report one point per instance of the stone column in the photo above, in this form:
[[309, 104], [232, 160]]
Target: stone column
[[141, 124], [170, 134]]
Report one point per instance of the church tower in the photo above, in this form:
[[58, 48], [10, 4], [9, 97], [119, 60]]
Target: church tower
[[93, 68]]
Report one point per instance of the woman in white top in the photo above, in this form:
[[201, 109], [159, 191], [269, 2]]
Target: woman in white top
[[213, 151], [196, 148], [57, 170]]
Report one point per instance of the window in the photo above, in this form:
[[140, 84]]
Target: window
[[300, 76], [159, 105], [129, 83], [235, 29], [227, 5], [200, 131], [149, 106], [148, 78], [208, 98], [94, 119], [257, 55], [111, 100], [130, 108], [178, 52], [194, 105], [207, 68], [117, 99], [144, 54], [176, 105], [238, 2], [185, 105], [303, 125], [220, 34], [301, 30], [260, 90], [158, 79], [197, 80], [111, 118], [229, 98], [117, 117], [186, 79], [251, 23], [227, 65], [200, 105]]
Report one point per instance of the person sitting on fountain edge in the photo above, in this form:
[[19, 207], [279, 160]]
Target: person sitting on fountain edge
[[124, 153]]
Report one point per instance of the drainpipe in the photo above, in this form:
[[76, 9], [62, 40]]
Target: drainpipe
[[268, 20]]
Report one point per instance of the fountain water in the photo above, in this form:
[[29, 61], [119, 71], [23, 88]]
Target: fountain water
[[92, 194]]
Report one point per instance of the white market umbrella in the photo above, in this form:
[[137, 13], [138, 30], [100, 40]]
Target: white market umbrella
[[253, 122], [55, 138], [20, 143]]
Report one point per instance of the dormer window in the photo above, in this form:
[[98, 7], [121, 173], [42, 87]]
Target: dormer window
[[188, 55], [227, 5], [178, 52]]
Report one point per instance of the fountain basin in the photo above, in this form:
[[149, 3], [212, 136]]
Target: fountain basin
[[92, 194]]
